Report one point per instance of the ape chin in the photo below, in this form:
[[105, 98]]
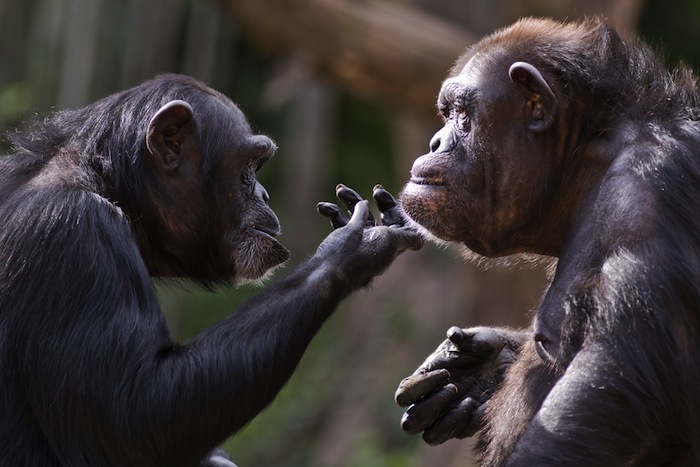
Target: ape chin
[[422, 205], [258, 255]]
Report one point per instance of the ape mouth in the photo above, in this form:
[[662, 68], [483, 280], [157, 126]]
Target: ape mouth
[[427, 181], [266, 231]]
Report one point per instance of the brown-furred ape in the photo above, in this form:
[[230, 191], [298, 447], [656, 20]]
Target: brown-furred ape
[[157, 180], [566, 140]]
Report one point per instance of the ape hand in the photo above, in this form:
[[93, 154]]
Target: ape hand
[[361, 248], [448, 393], [391, 213]]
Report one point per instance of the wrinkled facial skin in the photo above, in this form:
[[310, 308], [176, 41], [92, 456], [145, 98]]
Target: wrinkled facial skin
[[249, 226], [483, 178]]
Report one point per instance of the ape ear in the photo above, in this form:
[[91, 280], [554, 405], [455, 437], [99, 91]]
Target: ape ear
[[169, 128], [542, 103]]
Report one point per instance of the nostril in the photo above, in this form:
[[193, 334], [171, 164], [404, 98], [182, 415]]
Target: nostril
[[435, 143], [443, 141]]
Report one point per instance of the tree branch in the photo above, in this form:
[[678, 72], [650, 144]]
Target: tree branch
[[376, 49]]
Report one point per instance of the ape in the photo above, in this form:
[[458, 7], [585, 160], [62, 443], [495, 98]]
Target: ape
[[158, 180], [565, 140]]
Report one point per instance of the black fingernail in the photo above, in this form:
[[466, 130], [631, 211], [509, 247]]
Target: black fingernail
[[408, 425]]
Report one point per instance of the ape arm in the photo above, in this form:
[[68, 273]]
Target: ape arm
[[103, 365], [274, 327], [613, 404], [594, 415]]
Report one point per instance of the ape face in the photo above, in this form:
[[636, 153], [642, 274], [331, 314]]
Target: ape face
[[249, 233], [483, 183]]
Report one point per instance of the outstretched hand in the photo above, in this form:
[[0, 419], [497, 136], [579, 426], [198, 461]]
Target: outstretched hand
[[389, 209], [360, 248]]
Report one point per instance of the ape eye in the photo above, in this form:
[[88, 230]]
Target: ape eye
[[248, 175], [256, 164], [465, 121]]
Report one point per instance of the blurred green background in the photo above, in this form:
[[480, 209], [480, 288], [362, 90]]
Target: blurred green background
[[347, 89]]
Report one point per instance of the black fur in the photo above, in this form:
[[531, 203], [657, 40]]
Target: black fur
[[90, 375], [617, 199]]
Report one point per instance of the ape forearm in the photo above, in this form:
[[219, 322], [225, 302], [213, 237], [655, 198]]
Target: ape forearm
[[578, 422], [273, 329], [261, 343]]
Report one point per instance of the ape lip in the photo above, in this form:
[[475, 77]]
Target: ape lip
[[266, 232], [427, 181]]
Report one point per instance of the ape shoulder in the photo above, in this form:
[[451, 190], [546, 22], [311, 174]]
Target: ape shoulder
[[66, 232]]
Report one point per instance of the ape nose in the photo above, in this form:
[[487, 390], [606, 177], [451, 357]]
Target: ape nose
[[261, 193], [443, 141]]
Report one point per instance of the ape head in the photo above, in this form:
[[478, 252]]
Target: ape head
[[499, 177], [180, 160], [203, 155]]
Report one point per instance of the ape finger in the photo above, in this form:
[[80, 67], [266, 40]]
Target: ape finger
[[408, 239], [452, 424], [424, 413], [359, 215], [456, 335], [332, 212], [479, 342], [418, 385], [350, 198], [475, 424], [388, 207]]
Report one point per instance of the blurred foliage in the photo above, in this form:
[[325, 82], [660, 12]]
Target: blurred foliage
[[364, 145], [16, 100], [672, 29]]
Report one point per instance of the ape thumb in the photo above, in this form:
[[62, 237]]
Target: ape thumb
[[359, 215]]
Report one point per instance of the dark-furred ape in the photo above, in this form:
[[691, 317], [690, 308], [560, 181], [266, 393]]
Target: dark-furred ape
[[158, 180], [566, 140]]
